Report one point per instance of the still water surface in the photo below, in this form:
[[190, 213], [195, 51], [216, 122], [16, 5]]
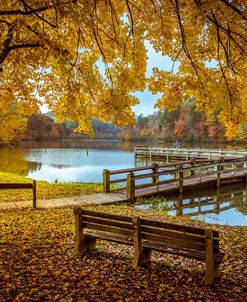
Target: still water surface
[[84, 161]]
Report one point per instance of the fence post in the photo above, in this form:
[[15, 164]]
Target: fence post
[[106, 181], [34, 194], [180, 181], [155, 178], [193, 163], [245, 170], [217, 170], [131, 186]]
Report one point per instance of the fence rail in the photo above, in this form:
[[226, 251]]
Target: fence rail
[[178, 176], [170, 153], [6, 186]]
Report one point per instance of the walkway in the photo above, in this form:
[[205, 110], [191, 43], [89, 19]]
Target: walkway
[[92, 199]]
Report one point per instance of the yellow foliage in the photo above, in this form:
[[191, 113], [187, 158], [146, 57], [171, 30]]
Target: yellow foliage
[[56, 50]]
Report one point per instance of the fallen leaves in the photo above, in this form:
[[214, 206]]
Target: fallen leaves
[[38, 263]]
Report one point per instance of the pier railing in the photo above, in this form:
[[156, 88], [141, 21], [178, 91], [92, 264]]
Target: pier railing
[[149, 180], [169, 153]]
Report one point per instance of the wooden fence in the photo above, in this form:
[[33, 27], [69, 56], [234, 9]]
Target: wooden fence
[[178, 175], [32, 186], [186, 154]]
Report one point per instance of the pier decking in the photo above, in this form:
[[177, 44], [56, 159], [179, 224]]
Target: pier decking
[[178, 176]]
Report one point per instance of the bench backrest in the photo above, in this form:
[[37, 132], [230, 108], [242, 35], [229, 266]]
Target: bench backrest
[[156, 233], [177, 236]]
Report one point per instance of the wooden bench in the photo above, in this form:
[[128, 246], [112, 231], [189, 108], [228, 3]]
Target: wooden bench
[[32, 186], [147, 235]]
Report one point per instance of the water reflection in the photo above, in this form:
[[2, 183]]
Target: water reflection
[[81, 144], [77, 165], [227, 205]]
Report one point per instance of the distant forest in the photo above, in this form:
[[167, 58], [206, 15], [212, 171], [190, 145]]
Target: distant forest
[[184, 124]]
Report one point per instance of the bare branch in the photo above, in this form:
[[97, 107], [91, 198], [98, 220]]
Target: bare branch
[[234, 8], [25, 45]]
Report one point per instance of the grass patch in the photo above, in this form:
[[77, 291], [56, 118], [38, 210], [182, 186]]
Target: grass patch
[[45, 190]]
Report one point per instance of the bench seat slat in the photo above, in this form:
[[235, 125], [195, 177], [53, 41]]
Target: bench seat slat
[[108, 222], [107, 216], [176, 227], [109, 229], [110, 237]]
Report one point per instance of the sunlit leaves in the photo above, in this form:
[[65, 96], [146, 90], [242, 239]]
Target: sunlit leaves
[[54, 50]]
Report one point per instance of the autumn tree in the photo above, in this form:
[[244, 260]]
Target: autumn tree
[[54, 49], [179, 128]]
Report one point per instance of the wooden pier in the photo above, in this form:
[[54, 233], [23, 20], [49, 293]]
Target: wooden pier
[[168, 154], [177, 176]]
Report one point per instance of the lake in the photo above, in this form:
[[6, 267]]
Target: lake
[[84, 161]]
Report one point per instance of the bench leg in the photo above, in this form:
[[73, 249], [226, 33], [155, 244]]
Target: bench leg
[[89, 243], [211, 274], [142, 257], [212, 267], [147, 253], [82, 242], [210, 258]]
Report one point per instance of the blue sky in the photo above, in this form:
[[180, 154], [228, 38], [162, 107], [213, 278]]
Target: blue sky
[[146, 98]]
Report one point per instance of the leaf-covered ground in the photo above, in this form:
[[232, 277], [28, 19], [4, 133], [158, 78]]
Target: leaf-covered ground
[[44, 190], [38, 263]]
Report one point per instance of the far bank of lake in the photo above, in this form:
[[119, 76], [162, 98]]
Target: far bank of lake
[[84, 161]]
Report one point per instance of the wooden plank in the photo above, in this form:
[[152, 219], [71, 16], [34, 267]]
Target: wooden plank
[[176, 227], [174, 234], [109, 222], [16, 185], [115, 181], [142, 176], [146, 185], [109, 229], [199, 255], [107, 216], [128, 240], [166, 181], [174, 242], [130, 170]]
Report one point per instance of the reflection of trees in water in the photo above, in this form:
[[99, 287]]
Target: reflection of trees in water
[[14, 160], [83, 144]]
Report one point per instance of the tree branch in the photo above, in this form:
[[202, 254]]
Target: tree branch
[[25, 45], [234, 8]]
